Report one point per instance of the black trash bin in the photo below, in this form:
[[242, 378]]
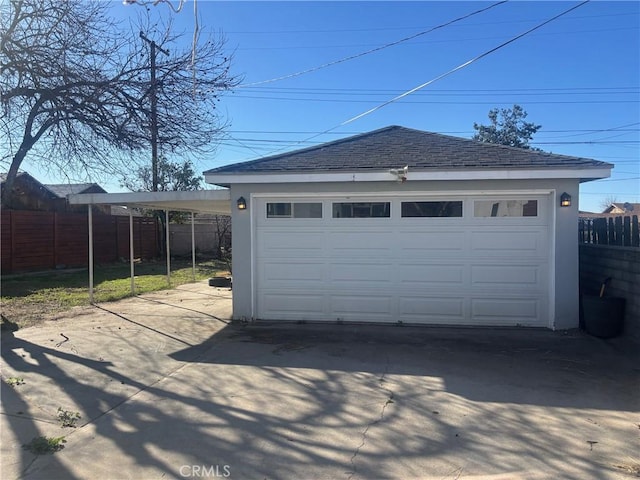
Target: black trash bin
[[603, 316]]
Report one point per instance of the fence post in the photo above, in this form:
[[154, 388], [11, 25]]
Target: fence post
[[635, 232], [581, 222]]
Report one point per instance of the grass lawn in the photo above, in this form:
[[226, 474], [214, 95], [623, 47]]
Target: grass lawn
[[31, 298]]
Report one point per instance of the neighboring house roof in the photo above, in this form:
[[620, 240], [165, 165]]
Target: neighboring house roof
[[623, 208], [24, 177], [64, 189], [394, 147]]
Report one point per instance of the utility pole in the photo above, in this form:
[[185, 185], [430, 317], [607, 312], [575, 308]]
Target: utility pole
[[154, 110]]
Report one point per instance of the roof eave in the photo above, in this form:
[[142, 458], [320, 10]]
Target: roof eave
[[584, 174]]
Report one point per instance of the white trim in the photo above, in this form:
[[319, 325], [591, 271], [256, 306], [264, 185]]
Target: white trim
[[552, 259], [205, 201], [385, 176], [413, 193], [253, 259]]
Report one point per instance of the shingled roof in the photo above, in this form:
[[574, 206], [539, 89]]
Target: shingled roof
[[64, 189], [394, 146]]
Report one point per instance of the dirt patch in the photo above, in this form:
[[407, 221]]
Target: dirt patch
[[23, 314]]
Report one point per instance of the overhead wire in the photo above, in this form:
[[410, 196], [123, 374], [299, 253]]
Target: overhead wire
[[373, 50], [449, 72], [425, 42], [347, 30], [439, 102], [463, 65]]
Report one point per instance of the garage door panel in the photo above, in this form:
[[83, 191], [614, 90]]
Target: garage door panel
[[292, 305], [429, 309], [357, 274], [507, 243], [430, 274], [425, 243], [361, 307], [291, 244], [484, 309], [362, 243], [300, 271], [509, 276]]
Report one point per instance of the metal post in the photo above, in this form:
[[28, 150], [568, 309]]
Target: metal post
[[90, 212], [166, 216], [193, 247], [133, 284]]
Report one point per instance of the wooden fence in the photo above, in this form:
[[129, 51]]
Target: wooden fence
[[622, 231], [45, 240]]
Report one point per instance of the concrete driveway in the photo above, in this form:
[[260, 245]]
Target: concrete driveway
[[168, 389]]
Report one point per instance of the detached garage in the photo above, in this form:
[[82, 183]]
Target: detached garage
[[404, 226]]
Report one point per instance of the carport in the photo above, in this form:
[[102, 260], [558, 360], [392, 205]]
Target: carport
[[203, 201]]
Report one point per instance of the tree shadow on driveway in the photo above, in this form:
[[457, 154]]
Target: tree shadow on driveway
[[305, 401]]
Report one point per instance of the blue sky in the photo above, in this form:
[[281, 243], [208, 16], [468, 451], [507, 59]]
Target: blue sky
[[578, 76]]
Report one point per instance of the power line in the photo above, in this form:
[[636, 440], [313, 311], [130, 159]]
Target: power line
[[635, 88], [439, 102], [466, 64], [425, 42], [347, 30], [446, 93], [352, 57], [409, 92]]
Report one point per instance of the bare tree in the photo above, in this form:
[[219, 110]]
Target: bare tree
[[76, 90], [607, 201], [223, 238]]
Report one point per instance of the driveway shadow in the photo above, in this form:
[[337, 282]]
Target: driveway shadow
[[308, 401], [530, 366]]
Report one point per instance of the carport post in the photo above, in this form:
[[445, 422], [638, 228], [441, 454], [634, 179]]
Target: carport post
[[133, 285], [166, 216], [193, 247], [90, 212]]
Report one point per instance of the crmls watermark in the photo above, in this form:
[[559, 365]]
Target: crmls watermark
[[205, 471]]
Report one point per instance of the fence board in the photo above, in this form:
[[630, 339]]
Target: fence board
[[611, 232], [44, 240], [622, 231], [5, 239], [626, 234], [71, 248]]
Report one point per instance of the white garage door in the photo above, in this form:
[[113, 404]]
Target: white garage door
[[467, 260]]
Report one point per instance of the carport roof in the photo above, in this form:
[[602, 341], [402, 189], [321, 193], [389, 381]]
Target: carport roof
[[202, 201]]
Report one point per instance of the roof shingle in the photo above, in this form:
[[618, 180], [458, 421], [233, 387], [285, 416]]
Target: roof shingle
[[395, 147]]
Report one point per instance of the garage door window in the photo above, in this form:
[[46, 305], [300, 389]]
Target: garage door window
[[505, 208], [294, 210], [362, 210], [432, 209]]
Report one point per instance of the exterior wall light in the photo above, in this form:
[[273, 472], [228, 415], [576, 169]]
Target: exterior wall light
[[241, 203], [565, 200]]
